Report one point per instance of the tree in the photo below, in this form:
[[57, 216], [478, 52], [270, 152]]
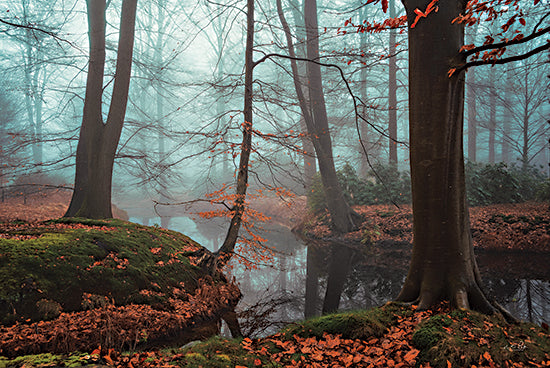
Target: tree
[[392, 92], [98, 139], [315, 117], [341, 213], [443, 265]]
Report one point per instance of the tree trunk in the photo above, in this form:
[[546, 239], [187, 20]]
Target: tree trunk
[[228, 245], [472, 116], [312, 281], [98, 140], [310, 161], [392, 96], [492, 119], [443, 265], [340, 212], [506, 121], [472, 105], [338, 269]]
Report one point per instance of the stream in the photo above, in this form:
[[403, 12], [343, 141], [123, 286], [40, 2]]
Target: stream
[[275, 294]]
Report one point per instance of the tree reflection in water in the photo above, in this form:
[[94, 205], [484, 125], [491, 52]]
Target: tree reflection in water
[[294, 286]]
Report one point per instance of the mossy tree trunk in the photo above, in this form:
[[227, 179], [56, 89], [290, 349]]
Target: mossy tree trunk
[[98, 139], [443, 265]]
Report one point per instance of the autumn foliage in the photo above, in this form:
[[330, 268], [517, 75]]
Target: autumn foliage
[[120, 327], [393, 335]]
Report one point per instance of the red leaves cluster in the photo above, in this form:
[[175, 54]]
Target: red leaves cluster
[[423, 14], [393, 350], [119, 327]]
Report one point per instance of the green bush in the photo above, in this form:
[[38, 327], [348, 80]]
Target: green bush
[[384, 184], [485, 184], [501, 183]]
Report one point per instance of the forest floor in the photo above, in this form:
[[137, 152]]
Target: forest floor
[[393, 335], [501, 227]]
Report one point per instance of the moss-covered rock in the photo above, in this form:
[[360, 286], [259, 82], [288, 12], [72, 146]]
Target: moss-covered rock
[[74, 264]]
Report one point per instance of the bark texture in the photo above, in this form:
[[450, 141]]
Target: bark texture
[[443, 265], [98, 140]]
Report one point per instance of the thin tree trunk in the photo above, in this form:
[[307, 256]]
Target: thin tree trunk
[[392, 93], [492, 119], [506, 121], [228, 246], [363, 76], [525, 125], [472, 116]]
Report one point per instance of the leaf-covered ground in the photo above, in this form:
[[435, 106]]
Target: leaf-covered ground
[[41, 206], [524, 226], [394, 335]]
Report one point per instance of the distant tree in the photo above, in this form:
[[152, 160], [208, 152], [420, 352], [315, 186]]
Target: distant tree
[[8, 134], [98, 138], [524, 100], [392, 91]]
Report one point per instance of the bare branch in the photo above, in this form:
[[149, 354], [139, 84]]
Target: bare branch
[[505, 60]]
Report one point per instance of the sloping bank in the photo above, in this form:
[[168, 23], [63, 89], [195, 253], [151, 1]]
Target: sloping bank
[[75, 284]]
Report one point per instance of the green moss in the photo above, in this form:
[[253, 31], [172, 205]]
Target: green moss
[[463, 337], [359, 324], [218, 353], [116, 259], [44, 360]]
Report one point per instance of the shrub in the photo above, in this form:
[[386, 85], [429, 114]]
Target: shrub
[[485, 184], [383, 185], [501, 183]]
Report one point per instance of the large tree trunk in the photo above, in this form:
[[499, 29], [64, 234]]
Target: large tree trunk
[[443, 265], [98, 140], [310, 162]]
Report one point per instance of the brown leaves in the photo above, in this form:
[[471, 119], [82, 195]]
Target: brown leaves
[[392, 350], [119, 327], [522, 226]]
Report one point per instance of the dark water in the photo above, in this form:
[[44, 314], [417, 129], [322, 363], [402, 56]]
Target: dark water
[[275, 294]]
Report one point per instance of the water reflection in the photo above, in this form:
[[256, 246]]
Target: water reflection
[[295, 285]]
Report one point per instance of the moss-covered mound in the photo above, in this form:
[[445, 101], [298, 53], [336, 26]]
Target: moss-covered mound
[[141, 279]]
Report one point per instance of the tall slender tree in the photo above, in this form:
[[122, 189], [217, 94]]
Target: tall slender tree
[[392, 91], [99, 139]]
